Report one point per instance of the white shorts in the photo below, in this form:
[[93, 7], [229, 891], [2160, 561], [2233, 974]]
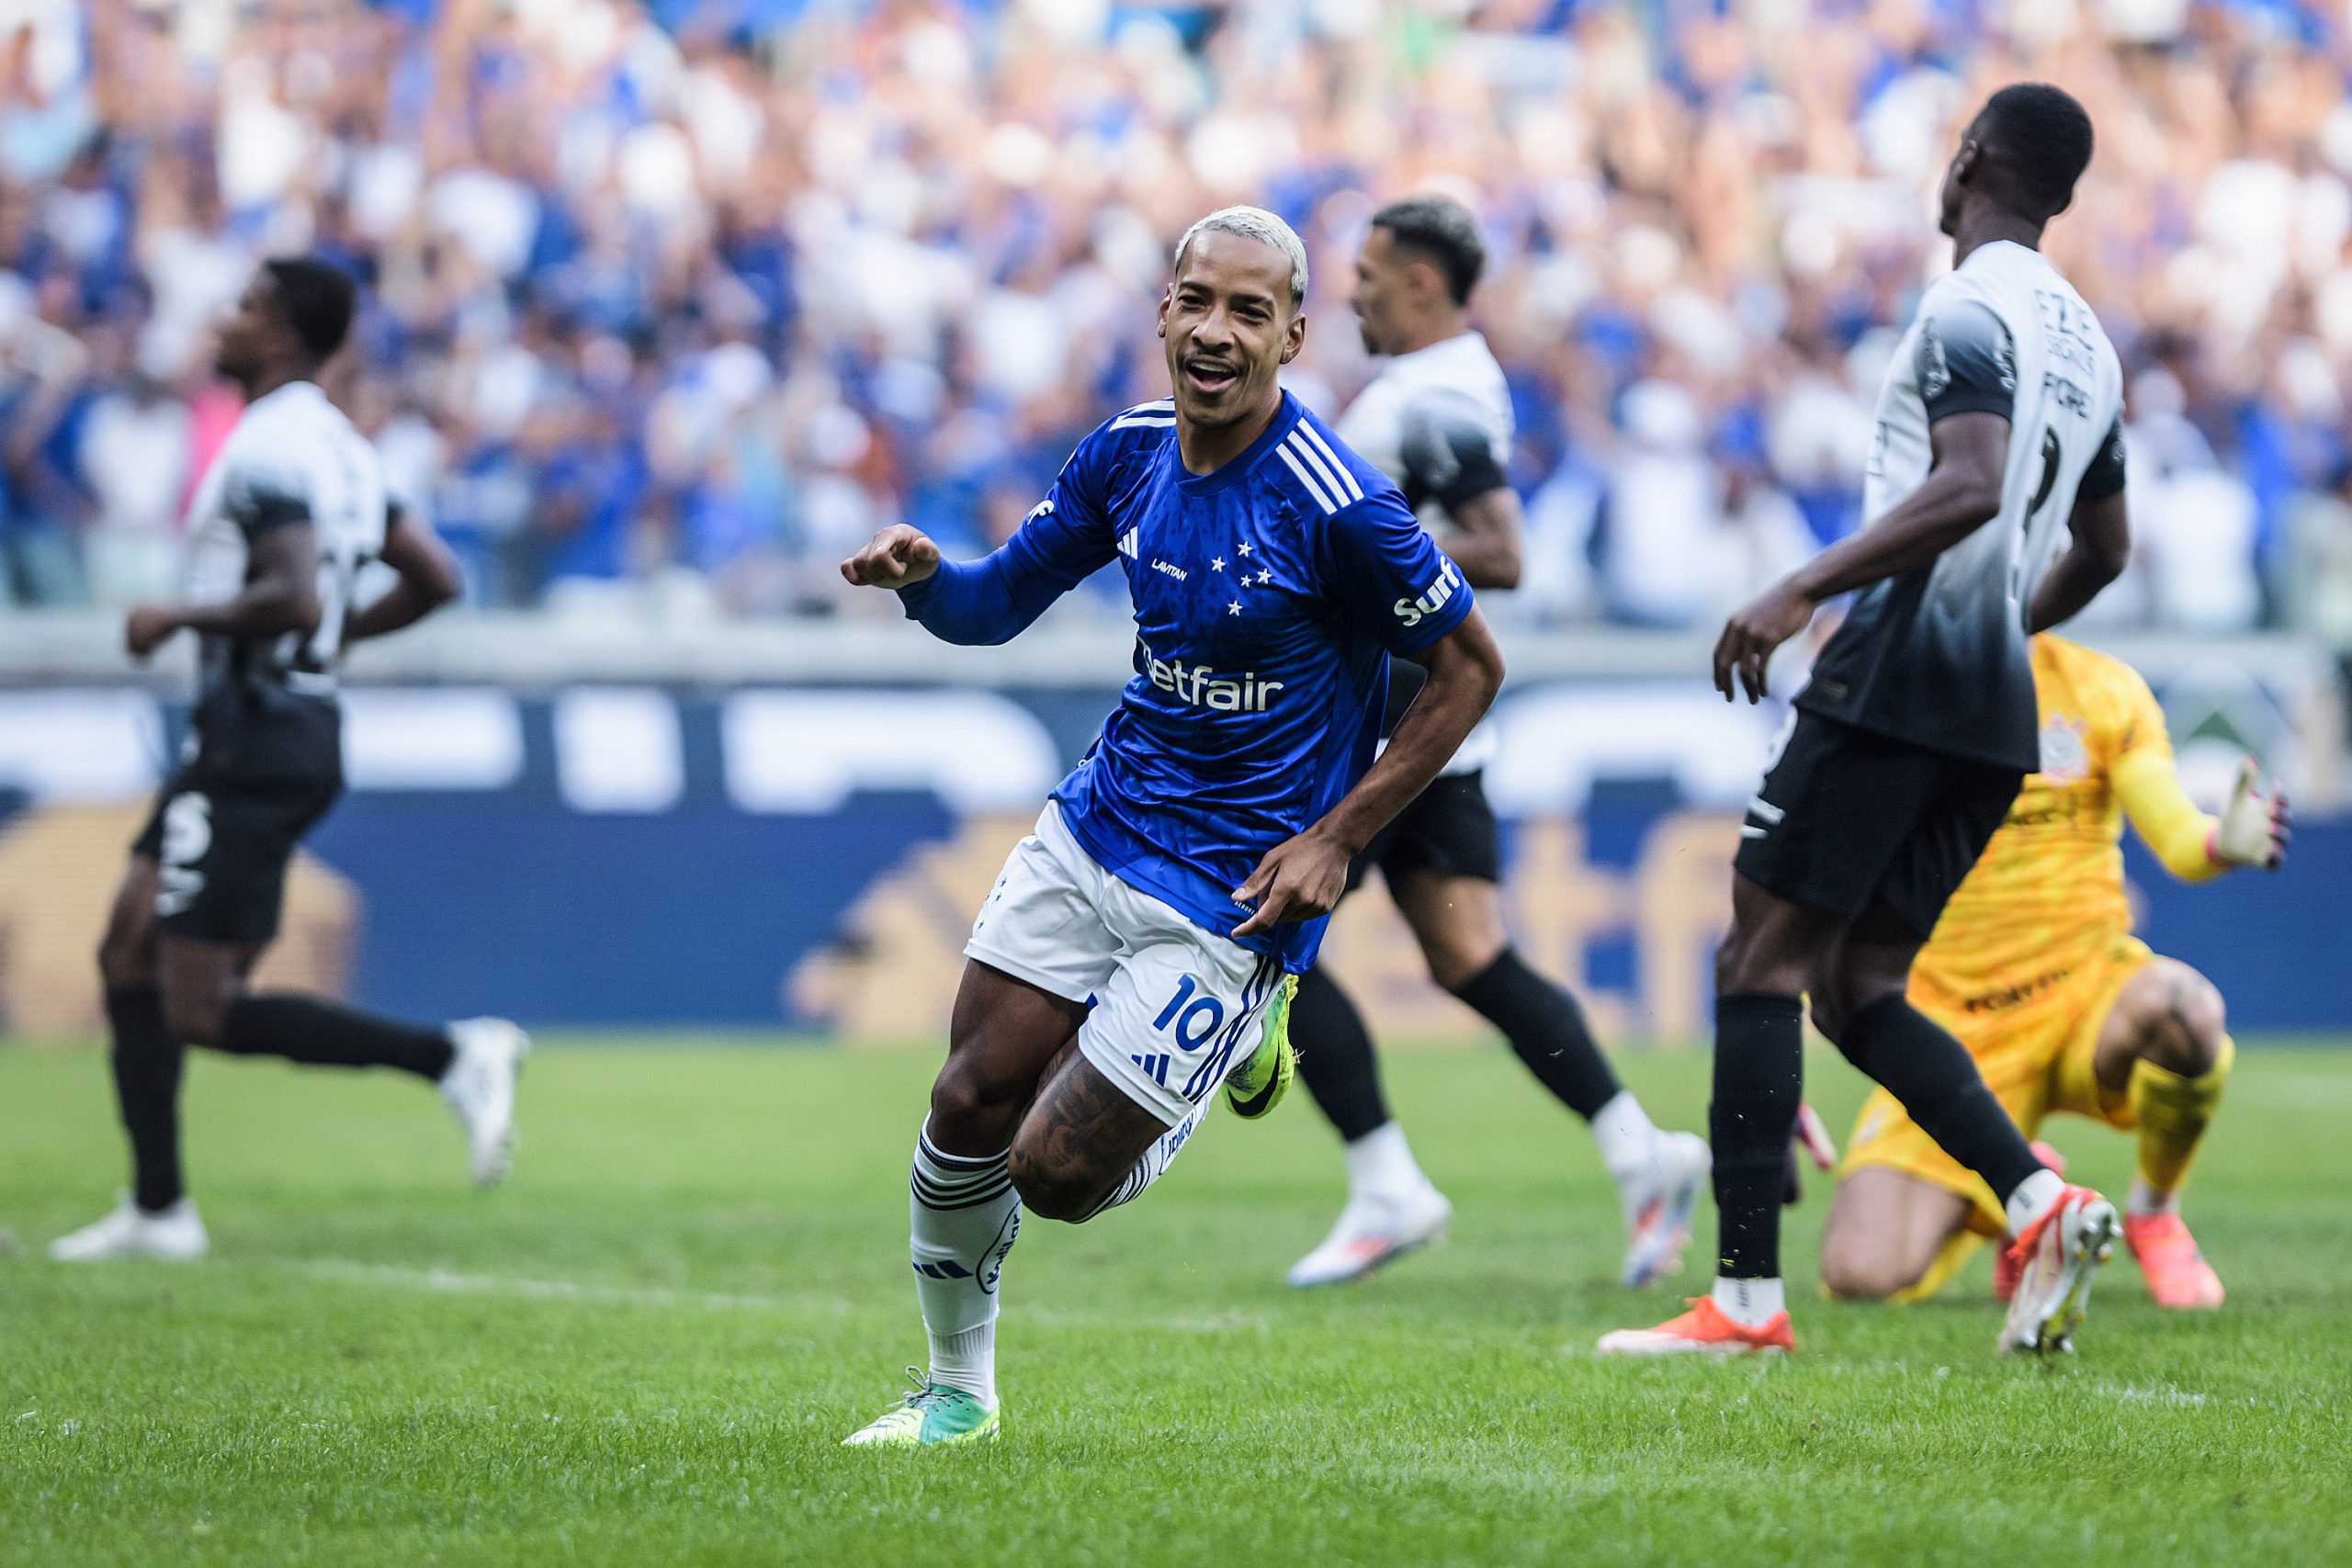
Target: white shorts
[[1174, 1008]]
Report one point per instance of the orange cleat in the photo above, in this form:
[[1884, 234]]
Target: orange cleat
[[2177, 1274], [1704, 1330], [2005, 1266]]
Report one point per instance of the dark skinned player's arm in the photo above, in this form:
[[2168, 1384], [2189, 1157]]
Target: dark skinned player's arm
[[1465, 671], [280, 595], [1450, 455], [1484, 538], [1960, 494], [428, 579], [2098, 547]]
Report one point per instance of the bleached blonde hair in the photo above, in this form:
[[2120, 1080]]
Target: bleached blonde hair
[[1254, 223]]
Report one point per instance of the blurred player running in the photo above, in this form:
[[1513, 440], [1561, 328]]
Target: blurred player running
[[1139, 947], [2034, 968], [278, 531], [1438, 422], [1999, 426]]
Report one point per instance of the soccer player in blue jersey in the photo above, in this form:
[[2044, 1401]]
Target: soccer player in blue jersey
[[1138, 952]]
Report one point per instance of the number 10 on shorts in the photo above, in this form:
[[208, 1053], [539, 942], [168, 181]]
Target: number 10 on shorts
[[1195, 1024]]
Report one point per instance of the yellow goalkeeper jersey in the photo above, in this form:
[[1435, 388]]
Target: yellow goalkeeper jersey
[[2046, 899]]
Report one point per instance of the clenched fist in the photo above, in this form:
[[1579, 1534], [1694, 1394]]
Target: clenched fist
[[894, 558]]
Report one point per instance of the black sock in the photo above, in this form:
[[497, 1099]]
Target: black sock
[[1335, 1057], [1900, 1047], [1546, 1028], [146, 1062], [1759, 1082], [328, 1035]]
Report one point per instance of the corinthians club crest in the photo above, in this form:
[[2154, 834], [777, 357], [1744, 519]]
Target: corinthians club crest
[[2066, 756]]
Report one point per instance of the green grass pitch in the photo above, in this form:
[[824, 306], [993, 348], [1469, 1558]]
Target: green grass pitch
[[646, 1348]]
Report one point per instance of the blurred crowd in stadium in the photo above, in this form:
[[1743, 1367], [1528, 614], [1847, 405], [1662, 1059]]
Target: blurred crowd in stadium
[[670, 305]]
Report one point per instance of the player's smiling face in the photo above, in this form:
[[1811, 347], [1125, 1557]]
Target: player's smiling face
[[1230, 325]]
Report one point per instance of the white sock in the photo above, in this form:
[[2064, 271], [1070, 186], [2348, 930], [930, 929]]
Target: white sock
[[2143, 1200], [1751, 1303], [967, 1360], [1154, 1163], [2034, 1195], [1627, 1138], [963, 1217], [1381, 1164]]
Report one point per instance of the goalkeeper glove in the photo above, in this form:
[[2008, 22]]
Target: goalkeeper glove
[[2255, 828]]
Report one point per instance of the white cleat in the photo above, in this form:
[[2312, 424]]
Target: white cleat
[[1373, 1229], [175, 1235], [2055, 1258], [1659, 1204], [479, 1088]]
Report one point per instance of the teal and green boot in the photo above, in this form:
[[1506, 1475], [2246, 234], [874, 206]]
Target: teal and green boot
[[933, 1412], [1258, 1085]]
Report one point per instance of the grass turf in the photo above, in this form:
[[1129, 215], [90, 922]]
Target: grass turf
[[648, 1346]]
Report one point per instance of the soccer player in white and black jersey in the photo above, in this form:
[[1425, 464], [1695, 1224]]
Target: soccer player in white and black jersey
[[278, 529], [1437, 421], [1997, 435]]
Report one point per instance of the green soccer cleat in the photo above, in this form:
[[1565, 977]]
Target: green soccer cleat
[[933, 1412], [1257, 1086]]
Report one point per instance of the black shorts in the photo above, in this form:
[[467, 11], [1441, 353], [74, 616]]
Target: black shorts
[[224, 849], [1847, 818], [1448, 828]]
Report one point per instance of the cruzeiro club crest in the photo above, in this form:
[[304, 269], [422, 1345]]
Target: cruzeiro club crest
[[992, 1260]]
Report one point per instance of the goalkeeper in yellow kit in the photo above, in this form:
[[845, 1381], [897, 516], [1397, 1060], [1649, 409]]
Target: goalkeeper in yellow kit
[[2034, 967]]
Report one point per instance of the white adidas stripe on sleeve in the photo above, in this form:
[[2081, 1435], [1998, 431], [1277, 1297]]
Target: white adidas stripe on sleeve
[[1347, 480], [1314, 486]]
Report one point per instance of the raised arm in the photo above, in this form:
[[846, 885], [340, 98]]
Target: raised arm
[[2254, 828], [1960, 494], [428, 579], [988, 601], [1065, 538]]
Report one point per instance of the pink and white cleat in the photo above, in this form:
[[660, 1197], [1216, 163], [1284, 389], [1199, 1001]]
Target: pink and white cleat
[[2005, 1269], [2055, 1257], [1374, 1229]]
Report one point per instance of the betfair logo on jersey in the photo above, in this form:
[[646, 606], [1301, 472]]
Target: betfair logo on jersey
[[1202, 686], [1411, 611]]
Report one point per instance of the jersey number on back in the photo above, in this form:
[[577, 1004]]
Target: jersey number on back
[[338, 575], [340, 559], [2053, 458]]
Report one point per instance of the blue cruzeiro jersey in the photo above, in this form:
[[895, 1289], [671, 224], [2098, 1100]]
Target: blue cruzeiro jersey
[[1268, 595]]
